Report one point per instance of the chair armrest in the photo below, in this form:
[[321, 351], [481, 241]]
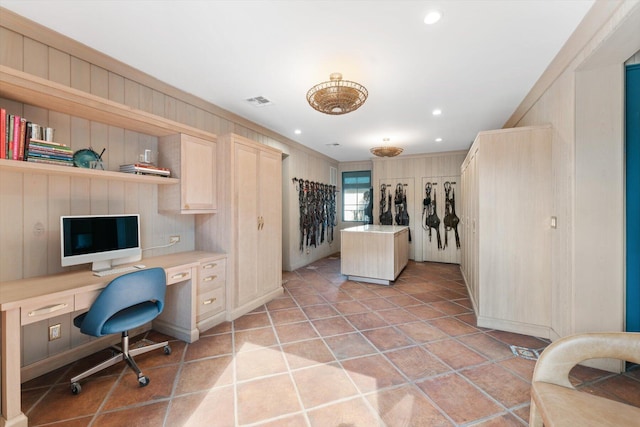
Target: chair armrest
[[561, 356]]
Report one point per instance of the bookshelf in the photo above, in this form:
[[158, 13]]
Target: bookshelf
[[19, 166], [29, 89], [33, 90]]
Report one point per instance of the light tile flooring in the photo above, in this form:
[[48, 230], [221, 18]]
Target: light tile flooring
[[329, 353]]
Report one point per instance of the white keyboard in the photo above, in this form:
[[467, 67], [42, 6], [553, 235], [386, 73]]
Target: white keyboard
[[120, 270]]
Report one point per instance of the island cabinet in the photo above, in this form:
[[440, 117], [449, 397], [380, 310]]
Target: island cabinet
[[374, 253], [248, 225], [194, 161], [506, 221]]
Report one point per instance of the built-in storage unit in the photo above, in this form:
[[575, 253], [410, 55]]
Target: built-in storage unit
[[248, 225], [506, 261], [374, 253], [66, 185], [211, 290], [193, 161]]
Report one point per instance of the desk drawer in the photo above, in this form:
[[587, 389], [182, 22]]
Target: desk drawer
[[211, 275], [30, 313], [84, 300], [178, 274], [210, 303]]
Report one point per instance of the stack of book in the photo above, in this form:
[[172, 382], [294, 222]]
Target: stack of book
[[49, 152], [145, 169]]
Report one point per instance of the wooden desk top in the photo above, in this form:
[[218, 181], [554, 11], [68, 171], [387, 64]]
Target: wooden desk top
[[16, 292]]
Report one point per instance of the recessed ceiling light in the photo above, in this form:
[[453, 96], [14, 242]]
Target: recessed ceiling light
[[297, 131], [432, 17], [436, 112], [438, 139]]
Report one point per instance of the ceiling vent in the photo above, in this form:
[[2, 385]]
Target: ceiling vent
[[259, 101]]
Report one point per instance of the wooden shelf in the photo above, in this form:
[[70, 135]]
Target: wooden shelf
[[19, 166], [33, 90]]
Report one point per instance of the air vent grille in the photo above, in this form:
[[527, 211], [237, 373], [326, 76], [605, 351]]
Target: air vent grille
[[259, 101]]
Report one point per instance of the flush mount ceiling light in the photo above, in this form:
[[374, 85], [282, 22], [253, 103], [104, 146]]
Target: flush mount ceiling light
[[432, 17], [386, 150], [337, 96]]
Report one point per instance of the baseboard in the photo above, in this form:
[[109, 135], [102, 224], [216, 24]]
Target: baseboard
[[59, 360], [244, 309], [186, 335], [210, 322], [516, 327]]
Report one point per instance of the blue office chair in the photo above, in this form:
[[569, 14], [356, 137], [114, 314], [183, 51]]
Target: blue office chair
[[128, 301]]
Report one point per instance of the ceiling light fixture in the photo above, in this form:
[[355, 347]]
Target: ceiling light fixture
[[386, 150], [436, 112], [337, 96], [297, 131], [432, 17]]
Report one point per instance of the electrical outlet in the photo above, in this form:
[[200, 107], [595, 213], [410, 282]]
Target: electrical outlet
[[174, 239], [54, 332]]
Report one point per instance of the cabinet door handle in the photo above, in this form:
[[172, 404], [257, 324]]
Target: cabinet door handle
[[47, 310], [179, 275], [208, 301], [209, 278], [208, 266]]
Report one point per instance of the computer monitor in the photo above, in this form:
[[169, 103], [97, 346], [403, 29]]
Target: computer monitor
[[104, 240]]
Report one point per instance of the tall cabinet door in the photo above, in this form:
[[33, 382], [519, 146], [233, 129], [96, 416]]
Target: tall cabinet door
[[248, 224], [270, 212]]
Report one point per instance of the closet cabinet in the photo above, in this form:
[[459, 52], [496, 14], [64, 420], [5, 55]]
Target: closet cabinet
[[248, 225], [193, 160], [506, 260]]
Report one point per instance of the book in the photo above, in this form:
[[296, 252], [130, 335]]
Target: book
[[16, 138], [10, 136], [49, 161], [145, 169], [22, 138], [44, 145], [34, 148], [43, 142], [3, 133], [49, 156]]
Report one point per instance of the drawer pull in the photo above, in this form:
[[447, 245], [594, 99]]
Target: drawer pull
[[209, 278], [208, 266], [209, 301], [47, 310], [179, 275]]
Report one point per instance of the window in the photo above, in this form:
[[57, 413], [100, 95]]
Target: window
[[356, 196]]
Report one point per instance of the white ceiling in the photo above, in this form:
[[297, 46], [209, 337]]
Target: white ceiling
[[476, 64]]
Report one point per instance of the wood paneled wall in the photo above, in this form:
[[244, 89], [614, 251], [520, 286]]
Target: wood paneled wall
[[413, 170], [27, 200], [587, 269]]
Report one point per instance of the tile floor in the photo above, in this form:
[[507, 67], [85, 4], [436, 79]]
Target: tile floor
[[329, 353]]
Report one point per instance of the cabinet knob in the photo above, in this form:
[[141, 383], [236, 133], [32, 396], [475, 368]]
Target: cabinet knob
[[209, 278], [208, 266], [209, 301]]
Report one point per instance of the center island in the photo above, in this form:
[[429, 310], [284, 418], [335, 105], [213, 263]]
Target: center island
[[374, 253]]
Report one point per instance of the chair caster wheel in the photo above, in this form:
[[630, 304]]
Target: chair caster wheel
[[75, 388], [167, 350], [144, 381]]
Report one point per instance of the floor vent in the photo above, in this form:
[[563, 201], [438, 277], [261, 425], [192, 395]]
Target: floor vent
[[525, 353]]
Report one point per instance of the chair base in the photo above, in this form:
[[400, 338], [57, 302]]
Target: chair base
[[123, 353]]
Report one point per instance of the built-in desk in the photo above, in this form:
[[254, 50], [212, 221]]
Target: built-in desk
[[374, 253], [193, 278]]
